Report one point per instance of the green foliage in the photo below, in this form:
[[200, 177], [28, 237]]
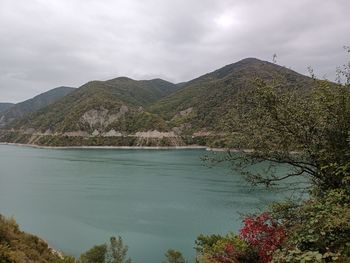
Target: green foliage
[[52, 140], [65, 259], [14, 137], [173, 256], [29, 106], [114, 252], [65, 114], [138, 121], [228, 248], [97, 254], [318, 229], [117, 251], [17, 246], [211, 96], [307, 131]]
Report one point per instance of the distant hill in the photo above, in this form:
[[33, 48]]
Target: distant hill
[[4, 106], [21, 109], [123, 111]]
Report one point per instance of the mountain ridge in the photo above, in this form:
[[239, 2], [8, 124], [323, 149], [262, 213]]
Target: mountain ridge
[[122, 111], [32, 105], [5, 105]]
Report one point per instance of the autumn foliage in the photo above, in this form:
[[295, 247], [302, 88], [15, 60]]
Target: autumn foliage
[[259, 238], [264, 233]]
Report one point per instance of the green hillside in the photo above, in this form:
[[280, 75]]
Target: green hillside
[[21, 109], [123, 111], [17, 246], [102, 105], [204, 101]]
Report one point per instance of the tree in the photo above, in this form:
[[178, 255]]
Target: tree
[[305, 129], [97, 254], [117, 251], [230, 248], [173, 256], [114, 252]]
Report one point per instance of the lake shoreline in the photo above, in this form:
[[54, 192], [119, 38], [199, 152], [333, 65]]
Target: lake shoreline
[[189, 147]]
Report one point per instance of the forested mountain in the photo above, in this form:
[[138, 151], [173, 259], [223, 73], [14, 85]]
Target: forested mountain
[[4, 106], [21, 109], [203, 102], [102, 106], [120, 111]]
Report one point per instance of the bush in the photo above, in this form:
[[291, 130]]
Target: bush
[[173, 256], [224, 249], [318, 229]]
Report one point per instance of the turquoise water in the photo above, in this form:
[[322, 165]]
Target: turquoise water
[[154, 199]]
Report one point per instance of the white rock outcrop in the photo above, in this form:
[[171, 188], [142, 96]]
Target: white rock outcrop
[[102, 117], [112, 133], [155, 134]]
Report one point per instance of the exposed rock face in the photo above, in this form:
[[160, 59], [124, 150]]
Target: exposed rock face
[[205, 133], [29, 131], [123, 109], [155, 134], [180, 129], [186, 112], [183, 113], [95, 118], [48, 132], [112, 133], [95, 133], [102, 117], [159, 141], [202, 133], [76, 134]]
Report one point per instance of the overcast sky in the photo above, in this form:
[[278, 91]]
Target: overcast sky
[[50, 43]]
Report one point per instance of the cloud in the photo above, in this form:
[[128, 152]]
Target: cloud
[[44, 44]]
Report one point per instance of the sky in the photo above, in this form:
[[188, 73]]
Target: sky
[[49, 43]]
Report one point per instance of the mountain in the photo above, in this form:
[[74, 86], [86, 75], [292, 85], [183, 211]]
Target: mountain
[[21, 109], [155, 112], [202, 102], [4, 106], [102, 106]]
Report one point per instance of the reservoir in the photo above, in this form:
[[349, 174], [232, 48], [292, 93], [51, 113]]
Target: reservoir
[[154, 199]]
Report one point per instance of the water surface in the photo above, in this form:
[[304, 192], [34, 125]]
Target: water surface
[[154, 199]]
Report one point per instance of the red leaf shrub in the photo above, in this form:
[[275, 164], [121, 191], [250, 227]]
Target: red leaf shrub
[[263, 233]]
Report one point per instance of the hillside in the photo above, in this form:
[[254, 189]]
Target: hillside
[[106, 108], [202, 102], [123, 111], [17, 246], [4, 106], [21, 109]]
